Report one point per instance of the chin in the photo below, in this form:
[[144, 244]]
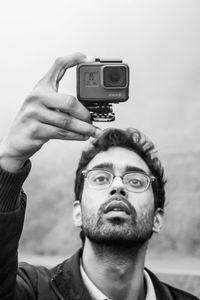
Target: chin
[[119, 237]]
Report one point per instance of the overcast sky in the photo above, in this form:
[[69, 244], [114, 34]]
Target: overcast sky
[[159, 39]]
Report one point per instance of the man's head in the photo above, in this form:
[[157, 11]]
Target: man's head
[[123, 210]]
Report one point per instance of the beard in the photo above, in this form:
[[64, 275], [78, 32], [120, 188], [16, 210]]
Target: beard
[[118, 231]]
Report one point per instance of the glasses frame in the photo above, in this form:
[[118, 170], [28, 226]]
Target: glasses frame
[[150, 179]]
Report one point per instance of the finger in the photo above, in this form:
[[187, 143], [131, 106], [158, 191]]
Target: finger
[[52, 132], [67, 103], [69, 123], [46, 132], [56, 72]]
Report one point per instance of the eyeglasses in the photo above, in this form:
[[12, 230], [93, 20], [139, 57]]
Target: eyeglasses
[[136, 182]]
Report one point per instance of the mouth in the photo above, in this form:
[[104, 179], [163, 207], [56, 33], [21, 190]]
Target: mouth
[[117, 206]]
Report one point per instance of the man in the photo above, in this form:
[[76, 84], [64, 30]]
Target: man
[[119, 203]]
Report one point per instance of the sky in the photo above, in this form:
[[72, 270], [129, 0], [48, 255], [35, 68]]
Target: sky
[[159, 39]]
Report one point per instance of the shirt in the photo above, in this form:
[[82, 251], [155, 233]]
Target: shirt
[[96, 294]]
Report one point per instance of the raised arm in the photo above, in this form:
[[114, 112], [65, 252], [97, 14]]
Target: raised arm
[[44, 115]]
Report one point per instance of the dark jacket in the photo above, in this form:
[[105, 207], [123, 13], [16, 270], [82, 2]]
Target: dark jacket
[[27, 282]]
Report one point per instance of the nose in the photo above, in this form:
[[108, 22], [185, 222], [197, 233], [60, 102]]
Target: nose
[[117, 188]]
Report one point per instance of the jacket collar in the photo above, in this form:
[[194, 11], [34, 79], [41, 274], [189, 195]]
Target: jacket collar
[[67, 281], [161, 290], [68, 284]]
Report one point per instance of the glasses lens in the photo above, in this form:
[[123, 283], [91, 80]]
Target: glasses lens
[[99, 178], [136, 182]]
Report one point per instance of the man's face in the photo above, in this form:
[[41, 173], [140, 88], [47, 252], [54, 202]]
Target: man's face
[[116, 215]]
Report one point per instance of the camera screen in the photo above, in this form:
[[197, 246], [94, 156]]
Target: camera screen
[[91, 78], [114, 76]]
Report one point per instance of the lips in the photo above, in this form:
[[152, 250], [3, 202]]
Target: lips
[[117, 205]]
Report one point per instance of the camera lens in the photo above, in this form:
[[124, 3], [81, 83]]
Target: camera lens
[[114, 76]]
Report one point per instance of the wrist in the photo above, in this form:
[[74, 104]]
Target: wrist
[[8, 162]]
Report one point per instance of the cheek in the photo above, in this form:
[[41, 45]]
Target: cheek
[[143, 202], [92, 199]]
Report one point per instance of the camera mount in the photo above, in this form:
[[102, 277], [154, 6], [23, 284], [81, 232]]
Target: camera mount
[[100, 111]]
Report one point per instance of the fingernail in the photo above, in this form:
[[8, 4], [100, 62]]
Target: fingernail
[[98, 131], [89, 59]]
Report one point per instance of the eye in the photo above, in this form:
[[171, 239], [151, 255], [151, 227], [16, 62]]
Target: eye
[[136, 182], [99, 178]]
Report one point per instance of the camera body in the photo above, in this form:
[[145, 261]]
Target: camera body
[[100, 84]]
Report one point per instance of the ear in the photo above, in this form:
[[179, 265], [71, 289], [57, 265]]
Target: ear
[[77, 214], [158, 220]]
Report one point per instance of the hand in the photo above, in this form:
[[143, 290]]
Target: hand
[[46, 115]]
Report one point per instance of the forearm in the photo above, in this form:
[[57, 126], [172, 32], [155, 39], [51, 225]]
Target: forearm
[[12, 210], [10, 187]]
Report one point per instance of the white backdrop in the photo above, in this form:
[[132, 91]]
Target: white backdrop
[[159, 39]]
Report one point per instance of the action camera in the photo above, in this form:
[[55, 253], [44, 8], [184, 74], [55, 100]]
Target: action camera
[[101, 83]]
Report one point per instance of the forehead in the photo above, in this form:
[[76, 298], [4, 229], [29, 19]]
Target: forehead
[[120, 158]]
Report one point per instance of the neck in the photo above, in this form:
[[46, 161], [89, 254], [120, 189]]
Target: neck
[[120, 269]]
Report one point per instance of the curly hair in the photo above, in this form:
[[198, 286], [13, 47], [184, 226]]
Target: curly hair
[[131, 139]]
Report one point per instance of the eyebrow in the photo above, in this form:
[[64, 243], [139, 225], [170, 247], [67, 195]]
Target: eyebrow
[[110, 167]]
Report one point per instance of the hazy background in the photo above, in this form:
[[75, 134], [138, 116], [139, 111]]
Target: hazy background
[[160, 41]]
